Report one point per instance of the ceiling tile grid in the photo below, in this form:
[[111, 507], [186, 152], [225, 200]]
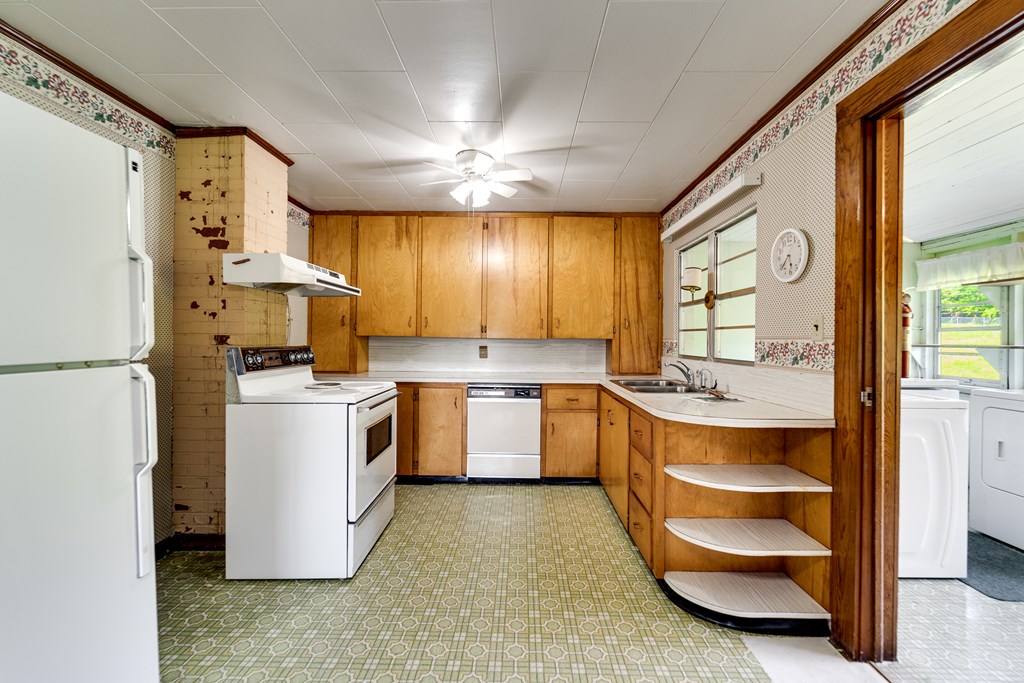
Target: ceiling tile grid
[[610, 103]]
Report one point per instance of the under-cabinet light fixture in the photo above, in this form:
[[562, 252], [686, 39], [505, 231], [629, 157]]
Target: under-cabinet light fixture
[[738, 183]]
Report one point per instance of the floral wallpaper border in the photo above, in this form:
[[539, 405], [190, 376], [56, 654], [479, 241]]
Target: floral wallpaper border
[[798, 354], [297, 215], [902, 30], [25, 69]]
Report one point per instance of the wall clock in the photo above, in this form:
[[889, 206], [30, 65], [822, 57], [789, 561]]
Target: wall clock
[[789, 254]]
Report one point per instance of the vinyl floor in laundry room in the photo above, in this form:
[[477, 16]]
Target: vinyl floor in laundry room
[[469, 582]]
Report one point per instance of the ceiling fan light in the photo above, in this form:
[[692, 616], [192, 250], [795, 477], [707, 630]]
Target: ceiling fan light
[[461, 193], [481, 196]]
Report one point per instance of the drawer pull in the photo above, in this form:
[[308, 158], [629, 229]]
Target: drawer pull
[[638, 432], [638, 526], [573, 400], [636, 475]]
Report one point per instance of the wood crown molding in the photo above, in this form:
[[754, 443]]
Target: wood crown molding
[[221, 132], [299, 205], [78, 72], [869, 26]]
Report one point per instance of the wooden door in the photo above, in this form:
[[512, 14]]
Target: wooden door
[[388, 275], [637, 344], [613, 459], [330, 318], [582, 277], [570, 444], [451, 276], [440, 431], [406, 436], [516, 299]]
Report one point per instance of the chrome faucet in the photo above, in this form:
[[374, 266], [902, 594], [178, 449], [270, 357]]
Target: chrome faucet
[[704, 377], [682, 367]]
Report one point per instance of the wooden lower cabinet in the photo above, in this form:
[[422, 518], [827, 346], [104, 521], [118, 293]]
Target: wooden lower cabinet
[[432, 430], [613, 452], [640, 528], [569, 440]]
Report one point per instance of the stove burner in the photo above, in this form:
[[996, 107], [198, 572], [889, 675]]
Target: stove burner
[[322, 385]]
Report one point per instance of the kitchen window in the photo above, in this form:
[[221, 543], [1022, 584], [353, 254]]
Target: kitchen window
[[726, 261]]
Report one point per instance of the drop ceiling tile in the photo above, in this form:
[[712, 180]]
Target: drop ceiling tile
[[518, 203], [219, 102], [309, 201], [384, 106], [448, 51], [374, 190], [698, 105], [343, 204], [415, 177], [337, 35], [438, 204], [629, 205], [565, 40], [148, 46], [312, 177], [643, 49], [483, 135], [394, 204], [596, 190], [248, 46], [579, 204], [852, 14], [540, 110], [769, 33], [601, 150], [159, 4], [343, 148], [547, 170], [714, 148], [33, 22]]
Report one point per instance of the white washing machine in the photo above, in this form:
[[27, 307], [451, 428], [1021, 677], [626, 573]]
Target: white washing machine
[[933, 486], [945, 388], [997, 464]]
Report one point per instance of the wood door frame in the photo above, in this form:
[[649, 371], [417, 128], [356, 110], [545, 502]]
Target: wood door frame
[[869, 166]]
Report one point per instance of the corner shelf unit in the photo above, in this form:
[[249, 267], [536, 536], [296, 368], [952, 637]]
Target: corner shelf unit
[[769, 602]]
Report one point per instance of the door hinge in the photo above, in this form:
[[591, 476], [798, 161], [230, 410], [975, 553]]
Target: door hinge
[[485, 225], [867, 397], [483, 329]]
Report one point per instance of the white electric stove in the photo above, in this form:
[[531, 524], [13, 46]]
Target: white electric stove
[[310, 467]]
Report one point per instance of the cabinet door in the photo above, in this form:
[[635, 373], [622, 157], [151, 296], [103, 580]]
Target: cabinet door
[[517, 278], [613, 461], [406, 429], [451, 276], [440, 431], [570, 444], [330, 318], [388, 249], [637, 345], [582, 277]]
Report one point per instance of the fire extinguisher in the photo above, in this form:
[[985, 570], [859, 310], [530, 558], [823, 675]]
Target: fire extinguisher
[[907, 315]]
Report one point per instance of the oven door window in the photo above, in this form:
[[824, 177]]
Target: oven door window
[[378, 438]]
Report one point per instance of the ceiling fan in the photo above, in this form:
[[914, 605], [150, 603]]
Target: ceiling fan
[[477, 179]]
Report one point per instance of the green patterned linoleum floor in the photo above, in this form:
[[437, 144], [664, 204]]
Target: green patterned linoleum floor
[[468, 583]]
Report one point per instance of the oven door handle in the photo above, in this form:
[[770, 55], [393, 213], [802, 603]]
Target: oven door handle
[[387, 397]]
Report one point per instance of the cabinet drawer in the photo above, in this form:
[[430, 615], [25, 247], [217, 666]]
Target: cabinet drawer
[[640, 528], [640, 433], [640, 482], [571, 398]]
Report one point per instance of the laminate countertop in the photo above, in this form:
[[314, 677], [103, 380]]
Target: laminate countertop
[[746, 412]]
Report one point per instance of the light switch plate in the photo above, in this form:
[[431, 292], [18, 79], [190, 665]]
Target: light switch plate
[[817, 328]]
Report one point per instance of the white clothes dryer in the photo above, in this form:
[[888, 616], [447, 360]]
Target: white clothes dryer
[[933, 486], [997, 464]]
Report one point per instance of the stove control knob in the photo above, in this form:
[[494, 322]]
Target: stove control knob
[[291, 356], [309, 356], [259, 359]]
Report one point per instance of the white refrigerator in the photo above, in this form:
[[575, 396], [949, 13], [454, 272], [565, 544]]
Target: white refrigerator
[[77, 414]]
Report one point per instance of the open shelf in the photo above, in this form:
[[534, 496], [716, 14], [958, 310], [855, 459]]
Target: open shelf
[[749, 478], [747, 595], [754, 537]]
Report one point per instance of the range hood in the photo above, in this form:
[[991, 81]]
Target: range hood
[[285, 275]]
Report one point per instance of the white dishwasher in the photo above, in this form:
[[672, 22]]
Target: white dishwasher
[[503, 431]]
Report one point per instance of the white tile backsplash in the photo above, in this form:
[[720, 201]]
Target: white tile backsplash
[[809, 391], [410, 354]]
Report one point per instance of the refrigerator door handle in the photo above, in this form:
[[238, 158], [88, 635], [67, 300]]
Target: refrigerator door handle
[[143, 470], [143, 324]]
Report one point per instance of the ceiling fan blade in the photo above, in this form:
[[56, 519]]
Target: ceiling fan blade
[[504, 190], [512, 174], [444, 182], [442, 167]]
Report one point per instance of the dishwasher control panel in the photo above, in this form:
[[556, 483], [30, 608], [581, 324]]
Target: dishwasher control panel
[[526, 391]]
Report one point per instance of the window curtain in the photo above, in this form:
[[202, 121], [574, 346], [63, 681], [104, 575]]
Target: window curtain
[[993, 265]]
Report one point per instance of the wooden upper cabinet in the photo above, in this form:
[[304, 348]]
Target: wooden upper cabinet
[[582, 277], [388, 275], [451, 276], [637, 345], [517, 278], [331, 320]]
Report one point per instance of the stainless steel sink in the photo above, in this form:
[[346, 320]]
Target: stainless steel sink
[[656, 386]]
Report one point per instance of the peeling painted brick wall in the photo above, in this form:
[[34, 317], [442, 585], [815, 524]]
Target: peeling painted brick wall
[[231, 196]]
